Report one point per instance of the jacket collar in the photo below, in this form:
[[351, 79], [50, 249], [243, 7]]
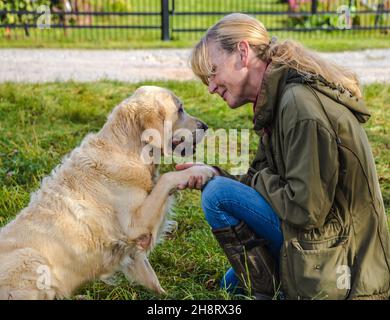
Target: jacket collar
[[273, 82]]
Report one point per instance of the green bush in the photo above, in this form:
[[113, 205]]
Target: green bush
[[20, 5], [321, 20], [112, 5]]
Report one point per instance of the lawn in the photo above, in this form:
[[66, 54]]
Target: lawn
[[40, 123]]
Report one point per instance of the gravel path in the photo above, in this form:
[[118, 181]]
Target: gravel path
[[46, 65]]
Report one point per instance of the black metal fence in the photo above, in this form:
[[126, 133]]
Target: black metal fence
[[123, 20]]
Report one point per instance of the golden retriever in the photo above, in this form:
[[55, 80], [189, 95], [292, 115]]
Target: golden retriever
[[102, 210]]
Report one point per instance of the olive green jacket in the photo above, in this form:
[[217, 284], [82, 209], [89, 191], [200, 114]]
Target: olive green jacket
[[315, 167]]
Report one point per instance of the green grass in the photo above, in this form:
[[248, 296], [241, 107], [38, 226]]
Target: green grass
[[40, 123]]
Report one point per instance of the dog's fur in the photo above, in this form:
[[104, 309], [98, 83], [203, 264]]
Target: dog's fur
[[98, 212]]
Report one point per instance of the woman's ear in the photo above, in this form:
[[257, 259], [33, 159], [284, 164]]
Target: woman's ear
[[243, 50]]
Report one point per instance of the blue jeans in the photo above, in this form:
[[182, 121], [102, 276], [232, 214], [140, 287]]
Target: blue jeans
[[227, 202]]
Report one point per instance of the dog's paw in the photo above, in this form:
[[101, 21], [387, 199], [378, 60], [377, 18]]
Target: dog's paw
[[160, 291], [110, 279]]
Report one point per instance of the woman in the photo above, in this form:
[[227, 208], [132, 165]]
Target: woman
[[310, 207]]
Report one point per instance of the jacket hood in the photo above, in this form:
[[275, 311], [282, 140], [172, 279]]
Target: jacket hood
[[356, 105], [276, 77]]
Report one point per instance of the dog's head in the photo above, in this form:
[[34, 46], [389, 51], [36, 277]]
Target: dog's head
[[157, 117]]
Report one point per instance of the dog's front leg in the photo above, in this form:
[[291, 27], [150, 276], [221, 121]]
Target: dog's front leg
[[146, 222], [147, 219], [143, 228]]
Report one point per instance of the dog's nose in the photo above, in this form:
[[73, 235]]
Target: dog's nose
[[203, 126]]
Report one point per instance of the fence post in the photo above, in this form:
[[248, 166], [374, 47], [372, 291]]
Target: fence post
[[165, 20], [314, 6]]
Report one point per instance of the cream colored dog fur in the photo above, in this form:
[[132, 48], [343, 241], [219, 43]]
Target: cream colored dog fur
[[98, 212]]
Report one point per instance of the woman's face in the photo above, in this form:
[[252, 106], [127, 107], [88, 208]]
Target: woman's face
[[230, 76]]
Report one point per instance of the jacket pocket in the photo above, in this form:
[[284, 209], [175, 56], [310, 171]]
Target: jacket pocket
[[320, 268]]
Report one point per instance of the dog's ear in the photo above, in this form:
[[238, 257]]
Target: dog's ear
[[122, 123], [154, 118], [152, 125]]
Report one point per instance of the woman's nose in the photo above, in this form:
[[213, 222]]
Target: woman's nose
[[212, 87]]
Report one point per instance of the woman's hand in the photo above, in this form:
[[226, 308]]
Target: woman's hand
[[199, 174], [193, 177]]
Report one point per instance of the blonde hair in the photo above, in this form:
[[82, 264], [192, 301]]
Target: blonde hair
[[233, 28]]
